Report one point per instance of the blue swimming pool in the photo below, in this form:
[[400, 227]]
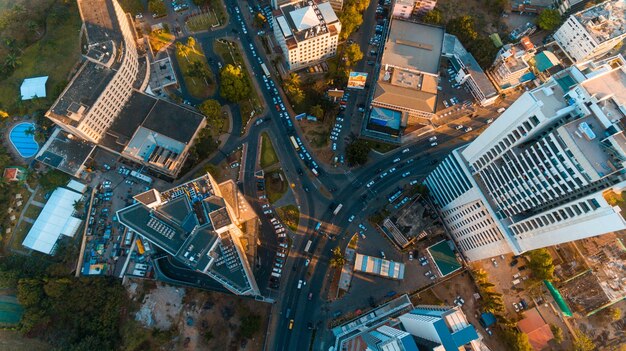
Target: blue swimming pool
[[23, 140]]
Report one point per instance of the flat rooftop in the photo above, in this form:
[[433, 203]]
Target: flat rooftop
[[61, 152], [604, 21], [173, 121], [100, 20], [84, 89], [413, 46], [578, 139], [454, 48]]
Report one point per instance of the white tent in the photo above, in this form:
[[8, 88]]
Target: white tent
[[54, 220], [33, 87]]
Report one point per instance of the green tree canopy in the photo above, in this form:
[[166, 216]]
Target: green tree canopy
[[157, 7], [549, 19], [557, 332], [541, 264], [583, 342], [463, 28], [53, 179], [317, 111], [352, 54], [350, 19], [357, 151], [234, 86], [433, 17], [213, 112], [293, 89]]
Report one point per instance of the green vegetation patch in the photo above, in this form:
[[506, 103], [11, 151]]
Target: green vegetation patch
[[160, 39], [19, 233], [53, 55], [197, 75], [290, 215], [268, 154], [135, 7], [33, 211], [275, 185], [380, 146]]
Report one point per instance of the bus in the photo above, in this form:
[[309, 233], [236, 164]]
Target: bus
[[141, 177], [308, 246], [294, 143], [337, 209], [265, 70]]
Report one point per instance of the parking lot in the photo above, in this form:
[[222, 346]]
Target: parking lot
[[108, 243]]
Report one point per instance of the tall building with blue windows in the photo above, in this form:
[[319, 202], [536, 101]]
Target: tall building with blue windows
[[547, 171]]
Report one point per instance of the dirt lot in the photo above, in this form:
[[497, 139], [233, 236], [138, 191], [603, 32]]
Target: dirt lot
[[202, 320], [486, 20], [317, 135]]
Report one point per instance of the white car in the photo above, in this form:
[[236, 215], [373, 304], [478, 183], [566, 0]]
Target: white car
[[413, 182], [351, 218], [468, 129], [396, 160], [434, 144], [405, 150], [369, 185]]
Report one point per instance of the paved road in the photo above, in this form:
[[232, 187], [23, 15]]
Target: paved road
[[347, 188]]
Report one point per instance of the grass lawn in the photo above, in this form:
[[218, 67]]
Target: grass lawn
[[40, 196], [275, 187], [160, 39], [133, 6], [202, 22], [14, 340], [426, 297], [53, 56], [381, 147], [19, 234], [33, 211], [197, 87], [290, 215], [253, 103], [268, 155]]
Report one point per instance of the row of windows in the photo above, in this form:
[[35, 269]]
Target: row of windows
[[555, 216], [479, 239]]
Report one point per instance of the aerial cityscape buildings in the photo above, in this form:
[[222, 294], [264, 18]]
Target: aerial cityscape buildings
[[537, 175]]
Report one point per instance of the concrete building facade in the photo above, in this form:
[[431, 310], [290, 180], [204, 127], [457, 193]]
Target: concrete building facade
[[307, 32], [511, 68], [537, 176], [407, 8], [593, 32]]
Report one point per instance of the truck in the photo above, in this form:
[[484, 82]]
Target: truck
[[265, 70], [294, 143], [337, 209], [308, 246]]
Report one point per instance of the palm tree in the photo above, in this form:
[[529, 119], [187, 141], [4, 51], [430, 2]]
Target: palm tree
[[191, 44], [182, 49], [78, 205], [294, 78], [11, 60]]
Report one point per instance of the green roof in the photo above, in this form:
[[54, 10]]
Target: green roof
[[558, 298], [444, 258], [495, 38]]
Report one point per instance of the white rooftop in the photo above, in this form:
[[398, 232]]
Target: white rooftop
[[604, 21], [304, 18], [33, 87], [54, 220]]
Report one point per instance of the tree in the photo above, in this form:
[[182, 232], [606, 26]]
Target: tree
[[29, 292], [350, 19], [250, 325], [234, 86], [433, 17], [12, 61], [557, 332], [182, 50], [213, 112], [53, 179], [191, 44], [78, 205], [337, 260], [583, 342], [157, 7], [616, 313], [357, 151], [293, 90], [352, 54], [259, 20], [549, 19], [463, 28], [317, 111], [541, 264], [3, 114]]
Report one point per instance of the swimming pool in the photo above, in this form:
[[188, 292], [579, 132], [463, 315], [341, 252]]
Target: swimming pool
[[23, 141]]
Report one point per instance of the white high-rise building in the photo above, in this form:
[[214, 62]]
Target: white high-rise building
[[594, 31], [307, 32], [538, 175]]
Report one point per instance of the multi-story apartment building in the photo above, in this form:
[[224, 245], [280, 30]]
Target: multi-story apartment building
[[406, 8], [104, 105], [511, 68], [405, 93], [307, 32], [538, 175], [399, 326], [198, 225], [594, 31]]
